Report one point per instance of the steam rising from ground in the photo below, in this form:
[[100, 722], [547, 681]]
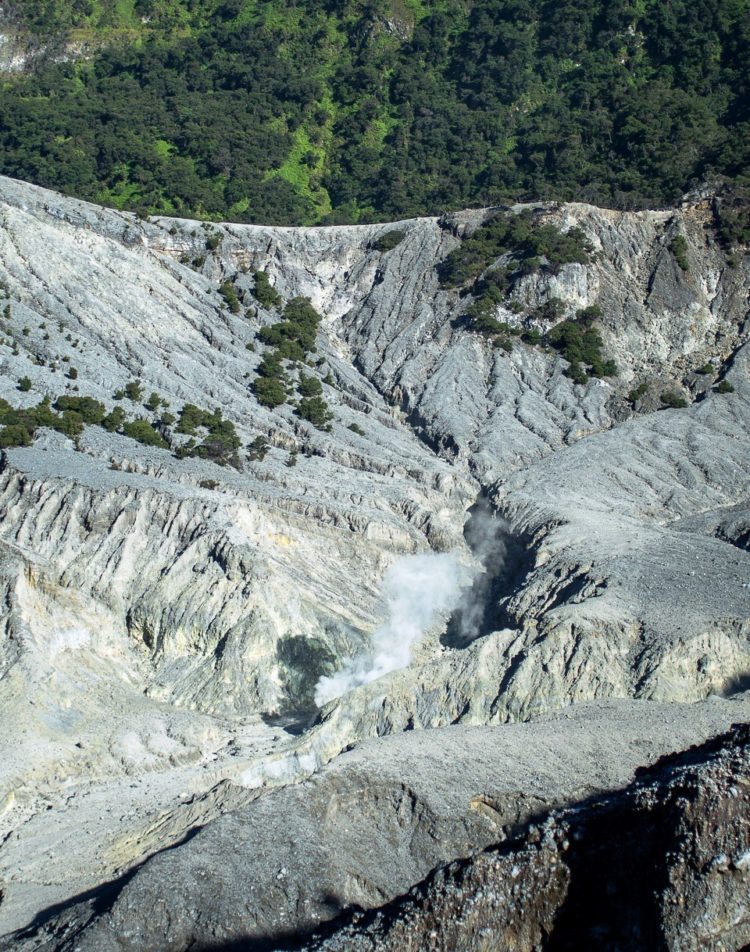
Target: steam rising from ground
[[416, 589]]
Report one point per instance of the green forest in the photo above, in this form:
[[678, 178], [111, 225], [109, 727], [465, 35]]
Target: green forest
[[338, 111]]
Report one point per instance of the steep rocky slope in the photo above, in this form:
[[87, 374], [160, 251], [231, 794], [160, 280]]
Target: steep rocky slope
[[368, 827], [167, 620], [663, 865]]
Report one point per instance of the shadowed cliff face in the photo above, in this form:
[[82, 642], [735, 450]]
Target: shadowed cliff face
[[162, 614], [662, 865]]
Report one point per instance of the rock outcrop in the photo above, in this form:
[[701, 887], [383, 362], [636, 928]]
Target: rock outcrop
[[374, 823], [663, 865]]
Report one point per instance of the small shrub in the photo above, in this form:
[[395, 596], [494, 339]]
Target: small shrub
[[221, 443], [270, 391], [208, 484], [291, 350], [258, 448], [315, 410], [41, 414], [588, 314], [263, 292], [89, 410], [72, 373], [725, 387], [552, 310], [70, 424], [118, 395], [292, 458], [271, 336], [187, 449], [227, 291], [154, 402], [673, 400], [356, 428], [678, 246], [603, 368], [637, 392], [134, 391], [191, 417], [309, 386], [24, 384], [142, 431], [389, 240], [271, 366], [706, 369], [15, 435], [300, 310], [213, 242], [490, 326], [576, 372], [300, 324], [114, 420]]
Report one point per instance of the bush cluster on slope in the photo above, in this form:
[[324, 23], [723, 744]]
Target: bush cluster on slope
[[228, 292], [678, 246], [390, 240], [264, 292], [530, 244], [219, 439], [20, 425], [527, 245], [580, 343], [291, 339]]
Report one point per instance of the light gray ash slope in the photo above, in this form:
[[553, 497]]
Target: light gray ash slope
[[371, 825], [178, 613]]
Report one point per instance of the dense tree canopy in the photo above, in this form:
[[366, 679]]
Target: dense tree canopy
[[301, 111]]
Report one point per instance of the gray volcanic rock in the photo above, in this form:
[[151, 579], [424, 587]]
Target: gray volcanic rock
[[634, 580], [663, 865], [166, 619], [371, 825]]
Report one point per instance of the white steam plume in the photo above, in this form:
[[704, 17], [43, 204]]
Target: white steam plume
[[416, 588]]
